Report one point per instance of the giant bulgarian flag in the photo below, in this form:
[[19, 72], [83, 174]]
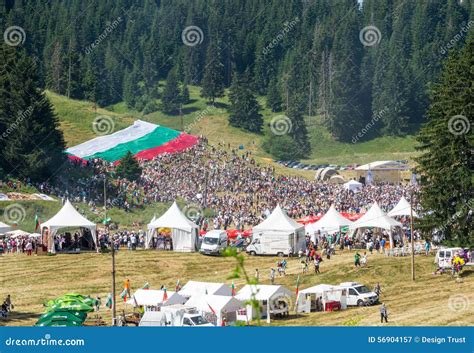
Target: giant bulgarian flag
[[144, 140]]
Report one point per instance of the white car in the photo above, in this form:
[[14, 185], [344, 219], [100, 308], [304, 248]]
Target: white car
[[358, 294]]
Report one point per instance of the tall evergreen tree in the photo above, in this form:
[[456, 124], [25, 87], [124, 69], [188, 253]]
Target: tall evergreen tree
[[170, 99], [274, 100], [32, 144], [446, 144], [213, 80], [244, 108]]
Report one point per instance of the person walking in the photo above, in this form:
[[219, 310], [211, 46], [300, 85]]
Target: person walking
[[357, 259], [316, 265], [378, 289], [383, 313], [272, 275], [257, 275]]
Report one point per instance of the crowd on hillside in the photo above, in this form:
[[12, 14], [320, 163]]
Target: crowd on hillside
[[230, 182]]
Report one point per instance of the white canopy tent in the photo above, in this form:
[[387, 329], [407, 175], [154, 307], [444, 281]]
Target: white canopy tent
[[4, 228], [279, 223], [193, 288], [308, 298], [151, 298], [330, 223], [67, 217], [352, 185], [17, 233], [266, 294], [376, 218], [402, 208], [219, 305], [184, 232]]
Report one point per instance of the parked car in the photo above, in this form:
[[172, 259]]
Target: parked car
[[359, 295]]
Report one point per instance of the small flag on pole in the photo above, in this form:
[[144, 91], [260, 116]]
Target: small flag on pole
[[233, 289], [165, 294], [178, 287], [123, 295], [297, 285], [146, 286], [37, 223], [108, 303], [212, 310]]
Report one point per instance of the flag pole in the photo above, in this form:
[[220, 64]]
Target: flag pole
[[412, 235]]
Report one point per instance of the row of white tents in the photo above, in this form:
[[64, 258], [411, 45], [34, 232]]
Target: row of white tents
[[214, 298], [184, 232]]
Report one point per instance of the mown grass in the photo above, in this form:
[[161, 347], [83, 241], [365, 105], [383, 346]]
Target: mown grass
[[32, 280]]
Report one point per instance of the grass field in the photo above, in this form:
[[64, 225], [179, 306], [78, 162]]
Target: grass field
[[431, 300]]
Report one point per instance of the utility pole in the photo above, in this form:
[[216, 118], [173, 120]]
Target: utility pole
[[112, 247], [412, 239], [181, 116]]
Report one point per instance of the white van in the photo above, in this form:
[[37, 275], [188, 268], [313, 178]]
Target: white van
[[180, 315], [271, 244], [445, 256], [213, 242], [358, 294]]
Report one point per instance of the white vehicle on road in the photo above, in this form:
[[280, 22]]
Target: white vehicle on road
[[358, 294], [213, 242]]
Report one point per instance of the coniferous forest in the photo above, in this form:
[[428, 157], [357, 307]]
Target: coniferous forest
[[347, 61]]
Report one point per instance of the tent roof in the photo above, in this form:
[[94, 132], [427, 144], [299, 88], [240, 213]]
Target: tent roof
[[17, 233], [173, 218], [402, 208], [278, 221], [353, 182], [375, 218], [153, 297], [4, 227], [193, 288], [68, 217], [383, 165], [218, 303], [261, 291], [332, 220], [318, 289]]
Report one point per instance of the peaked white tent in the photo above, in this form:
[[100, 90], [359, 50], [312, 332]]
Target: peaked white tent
[[402, 208], [376, 218], [193, 288], [66, 217], [152, 298], [266, 294], [278, 223], [17, 233], [183, 231], [352, 185], [330, 223], [4, 228], [219, 305]]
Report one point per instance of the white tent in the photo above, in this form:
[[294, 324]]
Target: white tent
[[402, 208], [17, 233], [193, 288], [352, 185], [278, 223], [219, 305], [376, 218], [4, 228], [266, 294], [152, 298], [184, 232], [383, 165], [330, 223], [325, 291], [67, 217]]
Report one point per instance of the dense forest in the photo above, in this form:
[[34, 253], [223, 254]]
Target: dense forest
[[347, 61]]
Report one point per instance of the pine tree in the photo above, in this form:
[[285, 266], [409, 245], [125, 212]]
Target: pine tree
[[213, 80], [244, 108], [274, 100], [32, 144], [298, 130], [129, 167], [170, 99], [447, 160]]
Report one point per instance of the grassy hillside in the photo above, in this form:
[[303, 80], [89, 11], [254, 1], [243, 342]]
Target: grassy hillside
[[199, 118], [431, 300]]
